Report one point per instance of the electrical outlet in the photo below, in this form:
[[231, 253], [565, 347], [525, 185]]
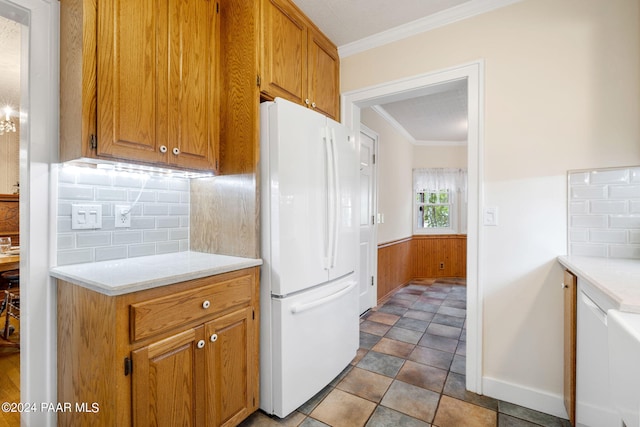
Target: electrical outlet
[[442, 266], [123, 216]]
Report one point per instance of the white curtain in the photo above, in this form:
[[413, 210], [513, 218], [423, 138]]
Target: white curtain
[[454, 180]]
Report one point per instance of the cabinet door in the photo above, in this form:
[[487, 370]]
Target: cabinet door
[[323, 72], [129, 47], [167, 381], [284, 51], [570, 286], [191, 84], [232, 367]]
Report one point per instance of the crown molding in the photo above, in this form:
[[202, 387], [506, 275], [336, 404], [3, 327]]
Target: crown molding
[[440, 19], [393, 122]]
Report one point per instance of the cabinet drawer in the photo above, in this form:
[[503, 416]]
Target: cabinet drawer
[[161, 314]]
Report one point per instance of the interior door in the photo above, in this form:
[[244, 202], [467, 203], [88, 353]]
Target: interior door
[[298, 197], [344, 235], [368, 246]]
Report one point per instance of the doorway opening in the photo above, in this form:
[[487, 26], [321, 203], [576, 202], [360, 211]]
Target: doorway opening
[[412, 87]]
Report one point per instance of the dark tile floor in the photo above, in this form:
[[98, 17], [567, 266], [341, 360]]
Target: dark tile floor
[[409, 371]]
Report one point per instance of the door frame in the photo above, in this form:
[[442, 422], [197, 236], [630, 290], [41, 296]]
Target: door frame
[[410, 87], [39, 117], [373, 252]]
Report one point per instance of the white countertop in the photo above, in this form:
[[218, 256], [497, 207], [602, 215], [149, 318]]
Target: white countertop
[[618, 278], [124, 276]]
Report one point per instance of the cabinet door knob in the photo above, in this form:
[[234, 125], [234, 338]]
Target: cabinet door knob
[[176, 151], [306, 101], [201, 344], [564, 286], [313, 105], [214, 338], [163, 148], [206, 304]]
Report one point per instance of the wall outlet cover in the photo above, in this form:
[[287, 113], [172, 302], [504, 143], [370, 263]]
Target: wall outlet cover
[[123, 216]]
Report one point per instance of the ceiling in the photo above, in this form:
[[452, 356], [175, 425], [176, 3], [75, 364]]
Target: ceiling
[[347, 21], [437, 118]]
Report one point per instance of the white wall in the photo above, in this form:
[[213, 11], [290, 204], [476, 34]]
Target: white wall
[[562, 91], [434, 156], [394, 178]]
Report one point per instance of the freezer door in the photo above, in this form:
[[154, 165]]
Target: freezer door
[[298, 198], [347, 177], [318, 338]]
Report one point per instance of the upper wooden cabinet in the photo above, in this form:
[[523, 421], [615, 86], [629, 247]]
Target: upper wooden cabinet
[[298, 62], [148, 88]]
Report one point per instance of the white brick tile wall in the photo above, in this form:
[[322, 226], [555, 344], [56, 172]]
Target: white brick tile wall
[[604, 212], [588, 192], [611, 176], [159, 217], [608, 206], [624, 251]]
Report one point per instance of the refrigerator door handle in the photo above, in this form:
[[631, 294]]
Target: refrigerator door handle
[[336, 199], [308, 306], [328, 244]]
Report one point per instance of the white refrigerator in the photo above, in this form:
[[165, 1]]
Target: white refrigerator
[[308, 288]]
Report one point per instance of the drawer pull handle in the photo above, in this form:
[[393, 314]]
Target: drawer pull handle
[[201, 344], [206, 304], [214, 338]]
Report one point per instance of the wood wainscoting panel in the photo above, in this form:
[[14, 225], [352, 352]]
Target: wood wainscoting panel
[[439, 256], [394, 266], [420, 257], [10, 217]]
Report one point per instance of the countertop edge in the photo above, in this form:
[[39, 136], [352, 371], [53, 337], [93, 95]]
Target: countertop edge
[[152, 282], [581, 269]]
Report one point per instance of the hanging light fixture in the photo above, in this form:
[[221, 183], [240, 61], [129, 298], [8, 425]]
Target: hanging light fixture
[[7, 125]]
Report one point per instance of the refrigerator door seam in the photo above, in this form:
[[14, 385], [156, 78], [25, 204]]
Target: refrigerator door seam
[[308, 306]]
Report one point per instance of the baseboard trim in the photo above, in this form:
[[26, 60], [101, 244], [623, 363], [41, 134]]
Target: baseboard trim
[[528, 397]]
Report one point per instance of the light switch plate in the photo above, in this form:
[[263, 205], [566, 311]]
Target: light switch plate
[[86, 217], [490, 216]]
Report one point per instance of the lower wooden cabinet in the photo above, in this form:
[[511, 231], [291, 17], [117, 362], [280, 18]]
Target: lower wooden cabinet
[[199, 371], [570, 288]]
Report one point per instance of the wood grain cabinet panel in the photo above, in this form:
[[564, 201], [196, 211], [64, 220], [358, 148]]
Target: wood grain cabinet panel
[[139, 82], [298, 62], [230, 353], [202, 371], [570, 289], [165, 384]]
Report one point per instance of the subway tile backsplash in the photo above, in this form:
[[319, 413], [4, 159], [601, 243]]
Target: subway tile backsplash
[[159, 220], [604, 212]]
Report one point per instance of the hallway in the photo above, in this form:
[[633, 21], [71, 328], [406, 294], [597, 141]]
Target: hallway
[[410, 371]]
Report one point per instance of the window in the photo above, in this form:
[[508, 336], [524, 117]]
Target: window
[[434, 209], [440, 201]]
